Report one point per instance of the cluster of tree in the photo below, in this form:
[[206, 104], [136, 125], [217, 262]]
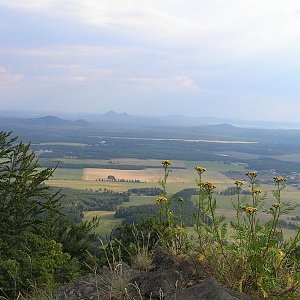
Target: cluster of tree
[[269, 163], [288, 225], [146, 191], [232, 191], [74, 202], [134, 214], [39, 246], [182, 208], [179, 150], [119, 148]]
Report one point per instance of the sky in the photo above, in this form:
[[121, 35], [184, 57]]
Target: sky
[[237, 59]]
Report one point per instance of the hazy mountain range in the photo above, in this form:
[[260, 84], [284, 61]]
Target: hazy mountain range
[[125, 119]]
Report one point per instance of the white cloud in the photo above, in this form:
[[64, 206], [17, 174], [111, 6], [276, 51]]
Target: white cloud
[[239, 28], [29, 4], [158, 49]]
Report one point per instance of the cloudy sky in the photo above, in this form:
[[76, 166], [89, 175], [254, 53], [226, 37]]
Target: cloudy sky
[[237, 59]]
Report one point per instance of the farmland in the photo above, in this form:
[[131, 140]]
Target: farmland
[[184, 177], [178, 178]]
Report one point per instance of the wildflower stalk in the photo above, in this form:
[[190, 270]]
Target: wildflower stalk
[[238, 209], [201, 197], [254, 195], [214, 222], [276, 210], [164, 203]]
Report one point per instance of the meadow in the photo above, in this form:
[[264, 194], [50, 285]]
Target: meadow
[[107, 221]]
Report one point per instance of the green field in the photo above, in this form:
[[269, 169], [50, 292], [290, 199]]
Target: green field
[[139, 200], [67, 174], [107, 221]]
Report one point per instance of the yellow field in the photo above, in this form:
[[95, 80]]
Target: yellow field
[[153, 175]]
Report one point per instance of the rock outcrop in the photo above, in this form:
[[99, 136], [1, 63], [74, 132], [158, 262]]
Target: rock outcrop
[[171, 278]]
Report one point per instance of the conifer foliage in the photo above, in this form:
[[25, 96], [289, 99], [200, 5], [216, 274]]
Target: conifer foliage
[[29, 255]]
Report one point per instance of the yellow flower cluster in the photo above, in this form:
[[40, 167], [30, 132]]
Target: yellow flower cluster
[[250, 209], [278, 179], [200, 169], [161, 199], [166, 163], [256, 192], [238, 183], [251, 174], [208, 186], [276, 205]]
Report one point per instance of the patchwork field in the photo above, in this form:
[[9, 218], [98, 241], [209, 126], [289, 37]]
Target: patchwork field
[[179, 179], [153, 175]]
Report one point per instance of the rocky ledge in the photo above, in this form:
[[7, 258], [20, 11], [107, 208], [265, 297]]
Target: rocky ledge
[[170, 279]]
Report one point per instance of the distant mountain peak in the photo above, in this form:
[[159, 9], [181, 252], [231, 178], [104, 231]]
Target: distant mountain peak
[[54, 121], [110, 113]]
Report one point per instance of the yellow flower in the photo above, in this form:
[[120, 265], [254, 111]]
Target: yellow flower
[[238, 183], [250, 209], [161, 199], [280, 255], [278, 179], [256, 192], [200, 169], [201, 257], [208, 186], [166, 163], [251, 174], [276, 205]]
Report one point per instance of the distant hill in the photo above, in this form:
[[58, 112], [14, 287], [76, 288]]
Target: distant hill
[[112, 124], [42, 121]]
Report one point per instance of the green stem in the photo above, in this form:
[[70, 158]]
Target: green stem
[[214, 224], [238, 215], [275, 218], [200, 208]]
